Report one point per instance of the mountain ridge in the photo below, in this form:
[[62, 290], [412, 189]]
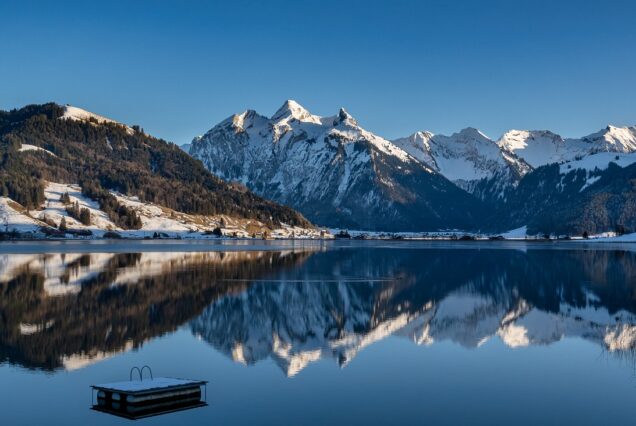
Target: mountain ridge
[[266, 153], [333, 170]]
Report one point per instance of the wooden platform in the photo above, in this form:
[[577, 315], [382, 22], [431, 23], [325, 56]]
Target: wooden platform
[[137, 387], [136, 399]]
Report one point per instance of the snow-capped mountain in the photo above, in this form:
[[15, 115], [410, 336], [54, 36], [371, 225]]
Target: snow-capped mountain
[[577, 186], [338, 174], [333, 171], [467, 158], [489, 168], [541, 147]]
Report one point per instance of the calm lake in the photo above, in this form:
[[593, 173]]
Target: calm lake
[[324, 333]]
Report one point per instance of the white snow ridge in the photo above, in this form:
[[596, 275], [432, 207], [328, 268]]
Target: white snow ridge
[[78, 114]]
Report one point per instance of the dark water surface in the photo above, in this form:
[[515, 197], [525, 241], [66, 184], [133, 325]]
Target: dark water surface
[[324, 333]]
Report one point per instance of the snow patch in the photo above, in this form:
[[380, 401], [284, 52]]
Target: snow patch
[[27, 147], [14, 218], [78, 114], [598, 162], [519, 233]]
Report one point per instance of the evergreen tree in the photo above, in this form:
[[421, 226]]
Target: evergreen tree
[[85, 216]]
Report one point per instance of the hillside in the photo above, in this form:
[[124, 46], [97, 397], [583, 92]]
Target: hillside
[[592, 195], [51, 143]]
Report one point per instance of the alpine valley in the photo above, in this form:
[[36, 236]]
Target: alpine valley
[[340, 175], [67, 172]]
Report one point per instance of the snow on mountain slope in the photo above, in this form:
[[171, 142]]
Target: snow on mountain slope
[[465, 158], [27, 147], [539, 147], [13, 217], [154, 218], [78, 114], [488, 169], [599, 162], [613, 139], [542, 147], [342, 176], [331, 169], [469, 157], [578, 186], [54, 209], [292, 110], [593, 167]]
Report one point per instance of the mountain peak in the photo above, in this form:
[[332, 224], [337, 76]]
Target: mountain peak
[[612, 138], [293, 110], [519, 139], [345, 117], [471, 132], [245, 119], [423, 135]]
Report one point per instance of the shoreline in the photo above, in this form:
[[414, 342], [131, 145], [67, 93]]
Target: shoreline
[[230, 244]]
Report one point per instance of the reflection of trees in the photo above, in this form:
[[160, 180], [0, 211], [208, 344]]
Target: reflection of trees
[[337, 301], [37, 330]]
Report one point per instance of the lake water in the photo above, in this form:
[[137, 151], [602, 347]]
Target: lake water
[[319, 333]]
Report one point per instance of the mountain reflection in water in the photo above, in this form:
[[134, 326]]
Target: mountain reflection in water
[[68, 310], [299, 306]]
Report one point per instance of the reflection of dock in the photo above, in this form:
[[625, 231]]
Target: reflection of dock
[[137, 399]]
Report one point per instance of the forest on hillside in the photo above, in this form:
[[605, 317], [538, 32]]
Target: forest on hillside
[[549, 202], [108, 156]]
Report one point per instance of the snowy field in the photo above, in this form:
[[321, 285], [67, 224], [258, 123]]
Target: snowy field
[[156, 221]]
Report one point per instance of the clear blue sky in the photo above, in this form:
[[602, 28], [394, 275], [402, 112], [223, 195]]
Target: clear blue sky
[[177, 68]]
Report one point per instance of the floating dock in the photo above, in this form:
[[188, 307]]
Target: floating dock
[[135, 399]]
